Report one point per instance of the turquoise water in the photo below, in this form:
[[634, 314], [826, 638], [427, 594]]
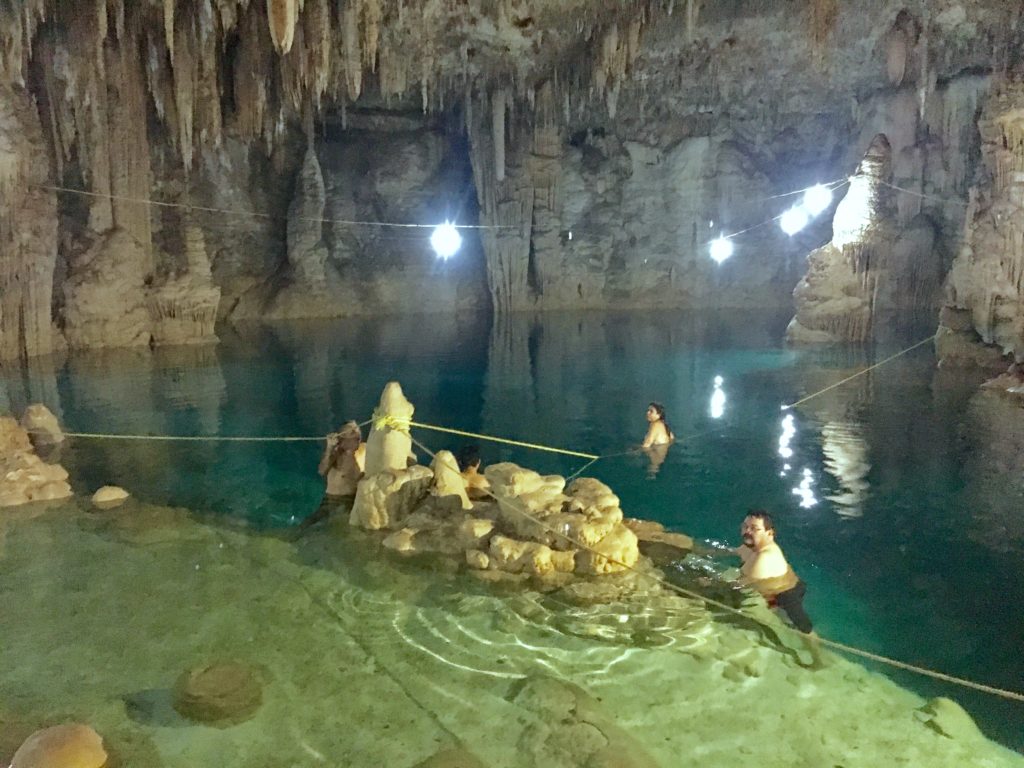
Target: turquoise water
[[907, 528]]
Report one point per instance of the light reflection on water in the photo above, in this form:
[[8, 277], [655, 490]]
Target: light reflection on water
[[916, 481]]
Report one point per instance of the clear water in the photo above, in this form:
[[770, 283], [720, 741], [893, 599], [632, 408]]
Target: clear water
[[908, 529]]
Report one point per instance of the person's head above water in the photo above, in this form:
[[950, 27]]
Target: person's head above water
[[349, 436], [758, 529], [656, 412], [468, 457]]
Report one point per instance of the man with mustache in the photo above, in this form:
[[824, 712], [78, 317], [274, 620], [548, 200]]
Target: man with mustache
[[766, 570]]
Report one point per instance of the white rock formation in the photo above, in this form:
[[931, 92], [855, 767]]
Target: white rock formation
[[389, 443], [62, 746], [448, 481], [42, 425], [985, 288], [24, 477]]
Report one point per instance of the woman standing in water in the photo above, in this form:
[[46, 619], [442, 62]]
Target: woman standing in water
[[659, 437], [658, 430]]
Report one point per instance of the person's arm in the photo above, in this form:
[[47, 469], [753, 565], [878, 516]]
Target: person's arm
[[649, 438], [328, 457]]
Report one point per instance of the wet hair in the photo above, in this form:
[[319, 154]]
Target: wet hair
[[764, 517], [468, 456], [660, 410]]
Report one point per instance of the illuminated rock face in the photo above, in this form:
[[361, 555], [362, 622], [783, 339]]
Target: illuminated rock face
[[873, 266], [983, 315], [604, 154]]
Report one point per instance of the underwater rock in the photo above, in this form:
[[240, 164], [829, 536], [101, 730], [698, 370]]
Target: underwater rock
[[62, 746], [218, 694], [42, 425], [663, 547], [454, 757], [572, 729], [109, 496], [527, 556], [948, 718]]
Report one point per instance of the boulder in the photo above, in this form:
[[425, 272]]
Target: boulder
[[62, 746], [109, 496], [448, 481], [385, 499], [218, 694], [24, 478], [615, 552], [41, 425]]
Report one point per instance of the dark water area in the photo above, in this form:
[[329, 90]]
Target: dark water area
[[897, 495]]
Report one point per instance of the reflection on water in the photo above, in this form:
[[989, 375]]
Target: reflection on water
[[873, 484]]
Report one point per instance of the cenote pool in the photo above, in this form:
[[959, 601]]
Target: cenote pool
[[897, 495]]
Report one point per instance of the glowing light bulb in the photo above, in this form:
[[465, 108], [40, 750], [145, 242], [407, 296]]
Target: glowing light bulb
[[445, 240], [717, 407], [817, 199], [794, 220], [721, 249]]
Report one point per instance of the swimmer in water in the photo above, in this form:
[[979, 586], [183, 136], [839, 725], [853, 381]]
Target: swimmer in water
[[766, 571], [658, 430], [477, 486]]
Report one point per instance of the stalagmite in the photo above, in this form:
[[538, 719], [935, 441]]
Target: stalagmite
[[282, 16]]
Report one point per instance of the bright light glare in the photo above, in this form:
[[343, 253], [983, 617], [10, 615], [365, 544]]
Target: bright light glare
[[721, 249], [788, 431], [794, 220], [445, 240], [817, 199], [717, 400], [804, 491]]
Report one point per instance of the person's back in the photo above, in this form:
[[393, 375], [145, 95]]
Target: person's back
[[477, 486]]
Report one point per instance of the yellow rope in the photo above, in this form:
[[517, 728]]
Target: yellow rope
[[513, 503], [535, 446], [859, 373]]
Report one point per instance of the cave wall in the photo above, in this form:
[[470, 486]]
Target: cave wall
[[603, 153]]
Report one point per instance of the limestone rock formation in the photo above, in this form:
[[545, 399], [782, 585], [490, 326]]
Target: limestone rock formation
[[389, 444], [24, 477], [105, 295], [28, 230], [183, 309], [62, 746], [535, 527], [985, 287], [870, 266], [41, 425]]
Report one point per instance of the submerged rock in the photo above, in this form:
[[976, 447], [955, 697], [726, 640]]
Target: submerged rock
[[948, 718], [219, 694], [455, 757], [62, 746]]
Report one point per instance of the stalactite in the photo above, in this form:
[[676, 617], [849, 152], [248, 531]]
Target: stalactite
[[252, 61], [185, 84], [498, 101], [283, 16], [169, 27], [692, 15], [129, 162], [823, 16], [353, 57], [372, 18]]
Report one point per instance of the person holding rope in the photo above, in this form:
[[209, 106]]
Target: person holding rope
[[477, 486], [341, 466], [766, 571]]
